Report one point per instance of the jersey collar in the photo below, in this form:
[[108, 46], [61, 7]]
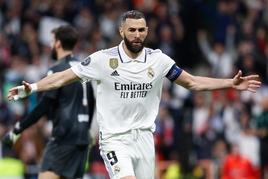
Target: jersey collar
[[126, 59]]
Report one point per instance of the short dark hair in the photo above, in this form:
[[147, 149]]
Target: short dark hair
[[67, 35], [133, 14]]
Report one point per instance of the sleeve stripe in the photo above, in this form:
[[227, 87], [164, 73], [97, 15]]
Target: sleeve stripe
[[174, 73]]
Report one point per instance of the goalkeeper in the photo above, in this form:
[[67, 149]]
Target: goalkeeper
[[70, 108]]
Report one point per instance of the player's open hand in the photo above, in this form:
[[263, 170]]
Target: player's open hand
[[250, 83], [19, 91]]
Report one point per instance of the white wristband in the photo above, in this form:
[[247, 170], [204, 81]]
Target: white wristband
[[33, 87]]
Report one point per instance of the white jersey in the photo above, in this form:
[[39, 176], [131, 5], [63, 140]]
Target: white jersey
[[128, 90]]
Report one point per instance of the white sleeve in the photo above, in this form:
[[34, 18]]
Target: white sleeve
[[167, 63], [88, 69]]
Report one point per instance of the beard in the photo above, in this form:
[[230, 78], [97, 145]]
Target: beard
[[54, 55], [134, 46]]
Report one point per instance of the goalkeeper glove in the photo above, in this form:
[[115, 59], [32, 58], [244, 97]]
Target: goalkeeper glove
[[12, 136], [10, 139]]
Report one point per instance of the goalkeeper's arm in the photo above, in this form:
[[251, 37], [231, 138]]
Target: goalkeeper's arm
[[42, 107]]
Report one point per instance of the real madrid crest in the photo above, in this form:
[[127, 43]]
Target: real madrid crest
[[150, 72], [116, 169], [113, 63]]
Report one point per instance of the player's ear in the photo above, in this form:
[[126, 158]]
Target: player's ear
[[57, 44], [146, 29], [121, 31]]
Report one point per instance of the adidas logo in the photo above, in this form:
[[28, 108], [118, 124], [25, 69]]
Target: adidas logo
[[115, 73]]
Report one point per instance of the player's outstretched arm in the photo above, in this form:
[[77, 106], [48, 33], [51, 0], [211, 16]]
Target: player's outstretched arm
[[53, 81], [198, 83], [10, 138]]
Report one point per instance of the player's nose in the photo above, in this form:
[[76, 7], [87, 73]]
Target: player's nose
[[137, 34]]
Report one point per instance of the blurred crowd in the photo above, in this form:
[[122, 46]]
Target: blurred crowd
[[219, 134]]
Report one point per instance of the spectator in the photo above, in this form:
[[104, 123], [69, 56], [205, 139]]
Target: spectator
[[236, 166], [262, 132]]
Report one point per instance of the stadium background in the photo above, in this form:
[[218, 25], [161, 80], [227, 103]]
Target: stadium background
[[194, 130]]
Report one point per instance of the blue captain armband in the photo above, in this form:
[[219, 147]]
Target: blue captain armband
[[174, 73]]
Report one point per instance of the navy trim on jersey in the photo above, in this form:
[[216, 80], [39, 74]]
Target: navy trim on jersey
[[119, 54], [130, 61], [145, 56], [174, 73]]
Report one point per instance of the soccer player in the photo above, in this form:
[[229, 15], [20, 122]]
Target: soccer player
[[129, 82], [70, 108]]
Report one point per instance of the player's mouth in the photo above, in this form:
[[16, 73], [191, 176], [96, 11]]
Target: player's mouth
[[136, 43]]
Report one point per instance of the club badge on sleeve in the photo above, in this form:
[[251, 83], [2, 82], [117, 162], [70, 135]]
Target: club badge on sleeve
[[86, 61]]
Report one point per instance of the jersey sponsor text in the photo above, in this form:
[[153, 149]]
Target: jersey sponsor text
[[133, 90]]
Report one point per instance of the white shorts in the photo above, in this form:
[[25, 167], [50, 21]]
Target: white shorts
[[129, 154]]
